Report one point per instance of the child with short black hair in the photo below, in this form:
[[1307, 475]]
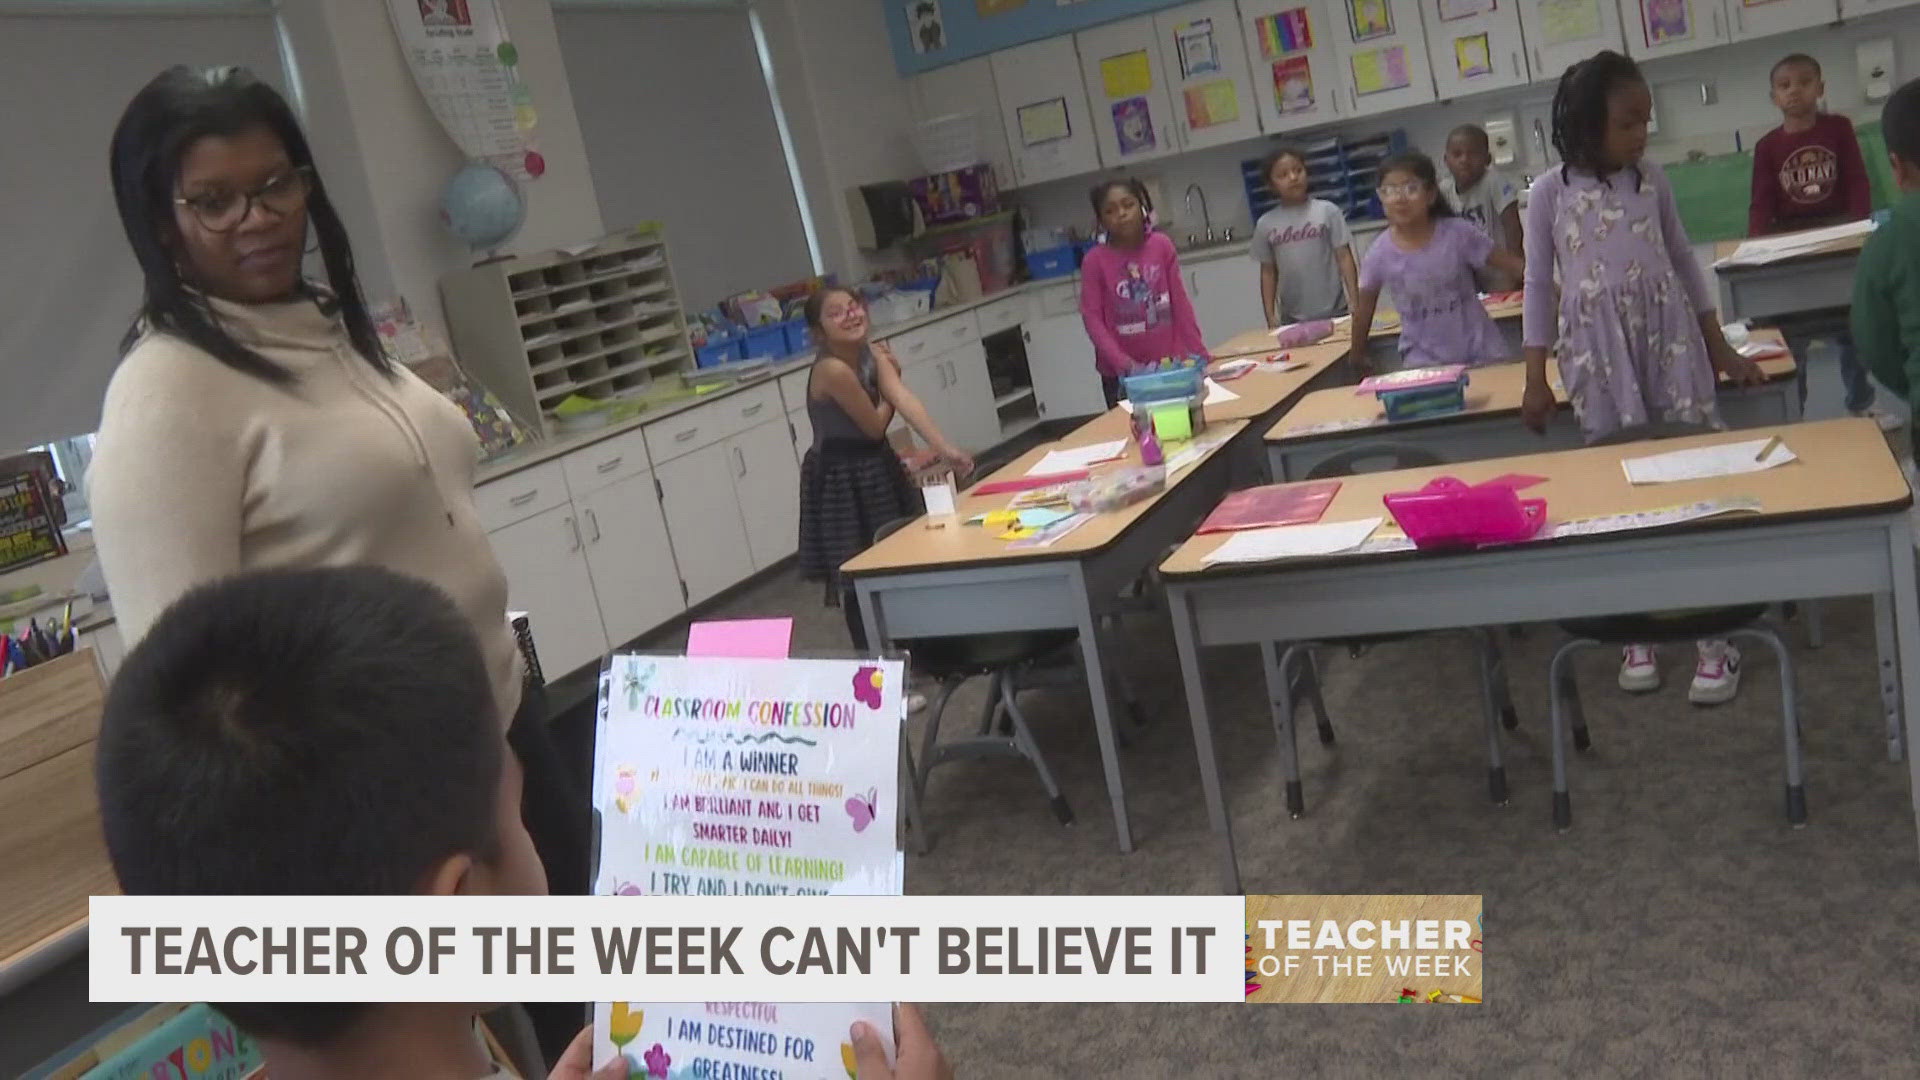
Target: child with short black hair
[[1886, 285], [1482, 194], [1808, 173], [338, 735], [1305, 252]]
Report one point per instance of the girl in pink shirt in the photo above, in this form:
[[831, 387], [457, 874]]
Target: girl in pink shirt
[[1131, 296]]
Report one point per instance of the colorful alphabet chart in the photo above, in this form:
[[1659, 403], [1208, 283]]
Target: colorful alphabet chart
[[745, 777]]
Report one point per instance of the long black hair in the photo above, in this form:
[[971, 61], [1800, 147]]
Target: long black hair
[[179, 107], [1420, 167], [1580, 111]]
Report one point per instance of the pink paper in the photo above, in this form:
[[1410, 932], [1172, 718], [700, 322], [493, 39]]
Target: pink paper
[[1516, 481], [767, 639]]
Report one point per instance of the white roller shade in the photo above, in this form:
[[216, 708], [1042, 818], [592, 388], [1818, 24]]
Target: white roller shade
[[679, 129], [68, 284]]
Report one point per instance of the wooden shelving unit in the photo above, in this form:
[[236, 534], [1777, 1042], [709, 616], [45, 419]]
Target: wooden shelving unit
[[601, 322]]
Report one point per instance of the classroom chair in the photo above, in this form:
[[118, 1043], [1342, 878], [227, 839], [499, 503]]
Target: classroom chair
[[1280, 660], [1744, 621], [1010, 660]]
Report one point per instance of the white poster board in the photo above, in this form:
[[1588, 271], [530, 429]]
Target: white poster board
[[717, 776]]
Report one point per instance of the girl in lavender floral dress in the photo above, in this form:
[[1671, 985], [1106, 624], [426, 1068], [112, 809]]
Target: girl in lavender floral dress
[[1637, 336]]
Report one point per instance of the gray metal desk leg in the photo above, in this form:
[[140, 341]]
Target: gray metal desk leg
[[1189, 653], [1280, 702], [1888, 655], [1102, 710], [1906, 623], [879, 642]]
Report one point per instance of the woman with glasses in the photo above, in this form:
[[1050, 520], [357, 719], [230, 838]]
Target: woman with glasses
[[254, 421], [852, 481], [1427, 259]]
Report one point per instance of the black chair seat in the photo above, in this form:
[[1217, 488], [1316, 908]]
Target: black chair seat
[[1650, 628], [982, 654]]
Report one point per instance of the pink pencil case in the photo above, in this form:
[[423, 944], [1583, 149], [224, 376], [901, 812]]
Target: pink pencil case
[[1294, 335], [1448, 513]]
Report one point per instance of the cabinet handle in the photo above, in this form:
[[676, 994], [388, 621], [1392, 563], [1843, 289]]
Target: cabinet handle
[[1717, 31], [753, 409], [1516, 63], [1539, 68], [573, 530], [687, 434], [610, 464], [593, 522], [524, 497], [740, 461]]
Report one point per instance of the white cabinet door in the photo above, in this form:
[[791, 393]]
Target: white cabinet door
[[1043, 106], [1561, 33], [967, 87], [1060, 359], [1382, 45], [1226, 297], [709, 539], [547, 578], [1853, 9], [1779, 16], [1126, 87], [1472, 53], [630, 558], [1206, 64], [801, 425], [1672, 27], [928, 381], [767, 484], [1295, 72], [969, 399]]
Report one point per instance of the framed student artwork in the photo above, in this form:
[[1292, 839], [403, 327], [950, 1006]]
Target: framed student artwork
[[1044, 121], [1286, 32], [1194, 44], [1293, 85], [1666, 20], [1133, 125], [1563, 22], [1369, 19], [1212, 103], [1380, 70], [1472, 57]]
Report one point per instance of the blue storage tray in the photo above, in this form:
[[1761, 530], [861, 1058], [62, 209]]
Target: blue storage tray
[[1052, 262]]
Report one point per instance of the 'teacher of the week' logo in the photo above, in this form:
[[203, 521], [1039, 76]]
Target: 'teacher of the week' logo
[[1355, 949]]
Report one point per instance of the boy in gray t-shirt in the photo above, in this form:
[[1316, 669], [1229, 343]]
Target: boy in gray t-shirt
[[1305, 252], [1483, 195]]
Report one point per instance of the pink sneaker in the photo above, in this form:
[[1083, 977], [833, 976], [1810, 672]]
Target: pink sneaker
[[1638, 671], [1716, 677]]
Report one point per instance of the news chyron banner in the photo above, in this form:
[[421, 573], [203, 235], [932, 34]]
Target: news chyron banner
[[1422, 949]]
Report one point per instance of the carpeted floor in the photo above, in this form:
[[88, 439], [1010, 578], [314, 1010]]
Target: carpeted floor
[[1680, 928]]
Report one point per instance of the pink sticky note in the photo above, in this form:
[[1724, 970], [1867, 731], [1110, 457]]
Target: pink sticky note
[[766, 639]]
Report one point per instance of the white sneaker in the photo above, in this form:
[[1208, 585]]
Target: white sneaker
[[1638, 671], [1888, 421], [1716, 677], [916, 702]]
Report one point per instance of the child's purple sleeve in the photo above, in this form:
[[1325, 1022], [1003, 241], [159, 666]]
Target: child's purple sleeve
[[1538, 324]]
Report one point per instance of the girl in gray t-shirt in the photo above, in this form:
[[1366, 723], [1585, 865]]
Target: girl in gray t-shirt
[[1303, 248]]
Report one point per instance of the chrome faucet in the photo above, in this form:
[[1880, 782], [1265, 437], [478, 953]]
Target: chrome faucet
[[1205, 219]]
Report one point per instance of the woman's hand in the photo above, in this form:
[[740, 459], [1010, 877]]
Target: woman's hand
[[915, 1055], [1537, 404], [577, 1062], [1736, 369]]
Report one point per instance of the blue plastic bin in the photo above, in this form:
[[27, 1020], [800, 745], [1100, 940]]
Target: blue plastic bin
[[1051, 262], [717, 350], [766, 341], [799, 337]]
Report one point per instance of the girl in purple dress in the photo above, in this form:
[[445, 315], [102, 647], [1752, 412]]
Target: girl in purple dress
[[1426, 261], [1638, 339]]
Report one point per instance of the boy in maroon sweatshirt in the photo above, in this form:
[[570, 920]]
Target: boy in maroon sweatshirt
[[1808, 173]]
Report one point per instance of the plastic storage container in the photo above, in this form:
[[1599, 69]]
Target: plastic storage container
[[1448, 513], [766, 341], [1051, 262], [717, 350], [799, 336], [1117, 489]]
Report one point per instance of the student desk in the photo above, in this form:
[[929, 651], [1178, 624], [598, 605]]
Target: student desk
[[1383, 343], [1833, 523], [959, 579], [1336, 420], [1811, 281]]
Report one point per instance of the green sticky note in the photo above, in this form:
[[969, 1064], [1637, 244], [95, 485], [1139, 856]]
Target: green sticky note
[[1172, 424]]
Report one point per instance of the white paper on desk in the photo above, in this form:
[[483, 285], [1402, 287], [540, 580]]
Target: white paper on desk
[[1293, 541], [1073, 459], [1192, 452], [1216, 395], [1767, 249], [1705, 462]]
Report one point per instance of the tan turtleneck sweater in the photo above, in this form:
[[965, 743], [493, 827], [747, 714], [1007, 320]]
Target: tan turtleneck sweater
[[201, 471]]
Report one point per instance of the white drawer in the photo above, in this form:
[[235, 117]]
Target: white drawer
[[1060, 299], [518, 496], [604, 462], [1001, 315], [935, 339], [689, 431], [793, 388]]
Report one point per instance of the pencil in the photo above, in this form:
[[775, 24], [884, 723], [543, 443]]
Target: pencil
[[1767, 449]]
